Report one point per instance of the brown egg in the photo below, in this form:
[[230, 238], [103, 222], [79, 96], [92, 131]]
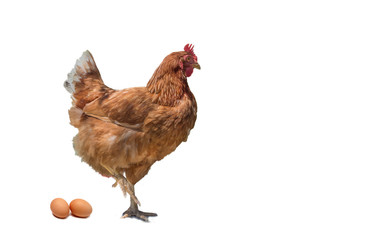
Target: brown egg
[[59, 208], [80, 208]]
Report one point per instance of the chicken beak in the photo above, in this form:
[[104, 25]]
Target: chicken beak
[[196, 65]]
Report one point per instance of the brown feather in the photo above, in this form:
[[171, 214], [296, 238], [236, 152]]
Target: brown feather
[[128, 130]]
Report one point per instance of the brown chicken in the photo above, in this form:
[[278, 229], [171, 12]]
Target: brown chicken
[[124, 132]]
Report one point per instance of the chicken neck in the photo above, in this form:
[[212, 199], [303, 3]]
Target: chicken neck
[[168, 87]]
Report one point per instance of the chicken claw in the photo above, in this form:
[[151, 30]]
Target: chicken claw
[[135, 213], [116, 183]]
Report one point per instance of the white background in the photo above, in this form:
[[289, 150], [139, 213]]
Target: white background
[[284, 145]]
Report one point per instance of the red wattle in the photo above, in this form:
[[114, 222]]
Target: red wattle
[[188, 71]]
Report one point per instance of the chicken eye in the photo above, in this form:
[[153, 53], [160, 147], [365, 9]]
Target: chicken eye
[[188, 59]]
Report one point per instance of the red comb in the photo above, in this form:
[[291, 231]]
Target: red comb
[[189, 49]]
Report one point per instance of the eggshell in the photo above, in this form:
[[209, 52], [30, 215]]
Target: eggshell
[[59, 208], [80, 208]]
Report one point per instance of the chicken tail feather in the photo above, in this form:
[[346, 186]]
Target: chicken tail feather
[[84, 81]]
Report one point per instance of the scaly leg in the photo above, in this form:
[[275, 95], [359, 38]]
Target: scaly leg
[[125, 185], [133, 212]]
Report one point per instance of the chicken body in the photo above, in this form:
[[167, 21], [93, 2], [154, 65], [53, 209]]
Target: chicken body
[[124, 132]]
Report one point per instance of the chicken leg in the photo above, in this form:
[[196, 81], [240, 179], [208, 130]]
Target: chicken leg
[[125, 185], [133, 211]]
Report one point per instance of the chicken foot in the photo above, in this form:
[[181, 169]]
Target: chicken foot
[[133, 212]]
